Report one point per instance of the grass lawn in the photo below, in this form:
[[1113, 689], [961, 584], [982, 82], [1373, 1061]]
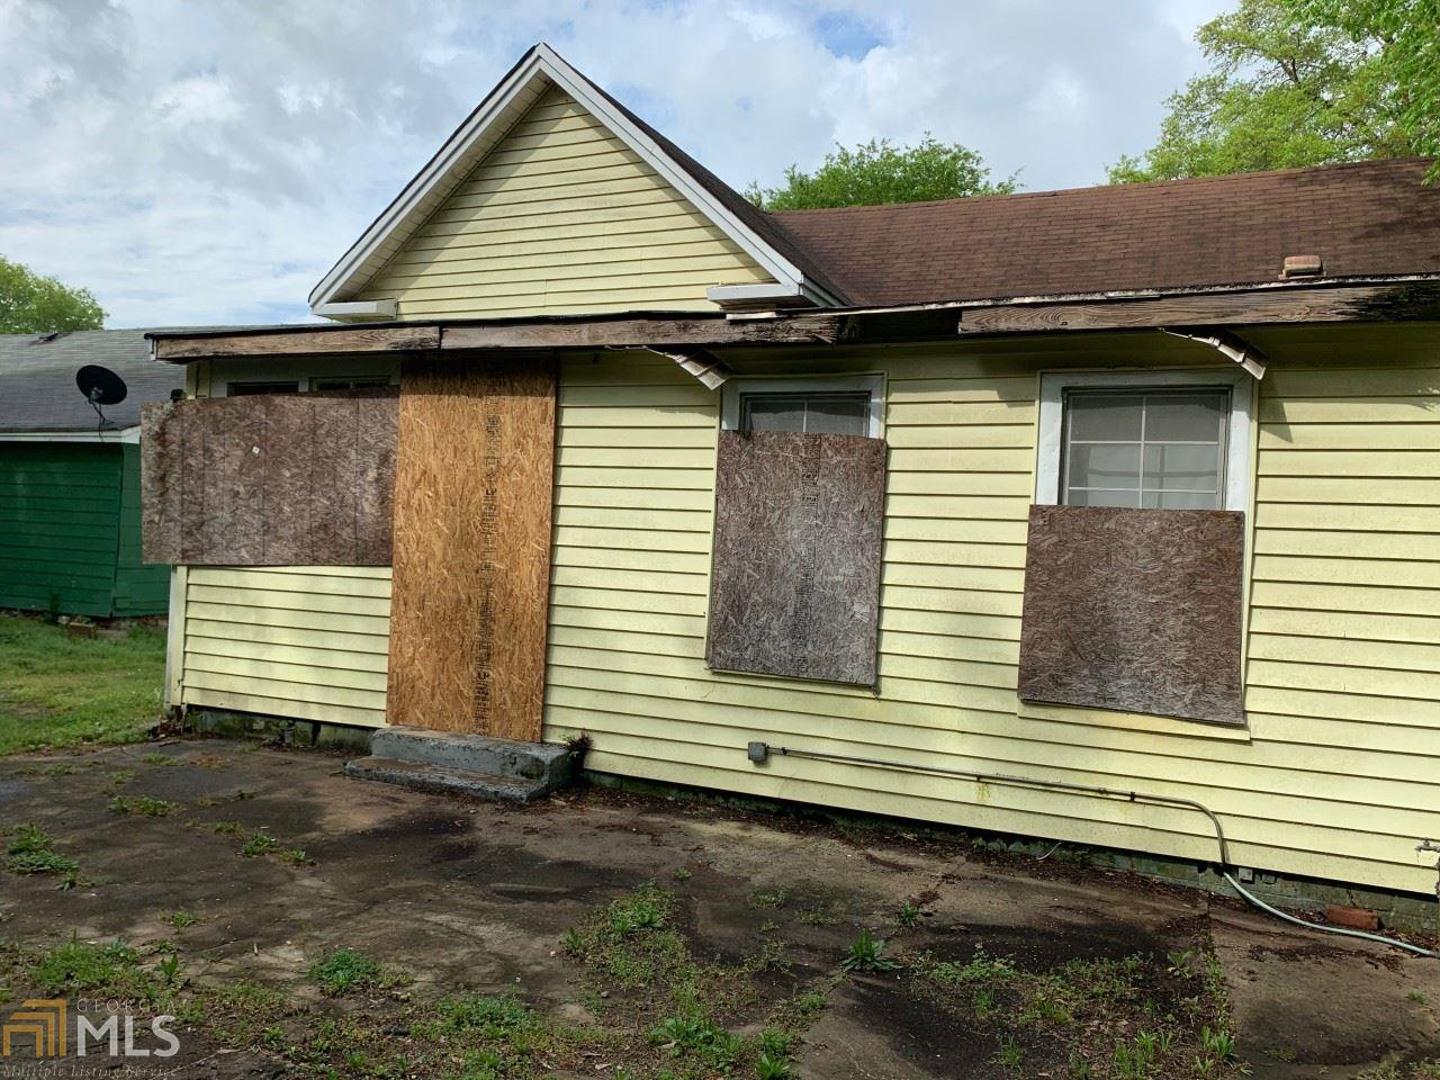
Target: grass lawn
[[57, 690]]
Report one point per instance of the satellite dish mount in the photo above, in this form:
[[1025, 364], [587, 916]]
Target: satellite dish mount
[[101, 386]]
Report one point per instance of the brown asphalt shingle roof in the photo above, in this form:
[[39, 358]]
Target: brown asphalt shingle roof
[[1368, 219]]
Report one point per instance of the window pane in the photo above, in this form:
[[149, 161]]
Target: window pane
[[350, 384], [1182, 465], [1105, 465], [1179, 500], [825, 414], [1185, 417], [1083, 497], [245, 388], [847, 415], [777, 412], [1106, 417]]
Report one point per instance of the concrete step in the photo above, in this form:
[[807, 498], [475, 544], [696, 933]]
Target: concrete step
[[550, 762], [440, 779], [497, 769]]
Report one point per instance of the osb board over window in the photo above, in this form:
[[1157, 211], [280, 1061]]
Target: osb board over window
[[795, 585], [269, 480], [472, 545], [1138, 610]]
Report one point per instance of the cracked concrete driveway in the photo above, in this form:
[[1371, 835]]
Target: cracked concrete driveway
[[221, 866]]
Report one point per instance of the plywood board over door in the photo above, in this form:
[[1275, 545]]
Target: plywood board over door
[[473, 495]]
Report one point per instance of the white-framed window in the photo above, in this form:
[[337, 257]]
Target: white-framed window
[[1168, 440], [832, 405]]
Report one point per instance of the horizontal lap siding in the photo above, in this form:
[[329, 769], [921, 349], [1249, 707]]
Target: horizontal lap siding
[[309, 642], [140, 588], [59, 526], [561, 217], [1334, 780]]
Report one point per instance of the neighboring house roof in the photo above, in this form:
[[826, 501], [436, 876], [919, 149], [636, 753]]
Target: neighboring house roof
[[1371, 219], [37, 379], [540, 68]]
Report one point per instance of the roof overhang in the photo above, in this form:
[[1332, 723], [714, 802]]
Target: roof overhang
[[1190, 311], [537, 70]]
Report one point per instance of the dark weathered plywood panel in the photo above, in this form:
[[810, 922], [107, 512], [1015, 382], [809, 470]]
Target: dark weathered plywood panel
[[1137, 610], [795, 583], [470, 593], [160, 486], [270, 480]]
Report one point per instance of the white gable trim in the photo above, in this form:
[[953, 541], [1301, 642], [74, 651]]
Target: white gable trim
[[482, 130]]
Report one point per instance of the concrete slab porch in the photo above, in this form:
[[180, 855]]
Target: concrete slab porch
[[743, 918]]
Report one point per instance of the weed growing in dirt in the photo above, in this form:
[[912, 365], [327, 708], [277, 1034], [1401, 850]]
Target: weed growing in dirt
[[866, 954], [88, 966], [769, 899], [169, 968], [910, 913], [30, 851], [1130, 1018], [343, 970], [697, 1037], [1009, 1056], [259, 844], [143, 805], [182, 919], [631, 940], [640, 974]]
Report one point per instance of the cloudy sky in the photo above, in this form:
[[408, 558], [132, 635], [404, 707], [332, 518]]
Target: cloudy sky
[[205, 161]]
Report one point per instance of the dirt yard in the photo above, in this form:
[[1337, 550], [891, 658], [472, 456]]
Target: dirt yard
[[299, 923]]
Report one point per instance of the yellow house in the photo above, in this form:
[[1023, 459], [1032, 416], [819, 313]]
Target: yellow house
[[1108, 516]]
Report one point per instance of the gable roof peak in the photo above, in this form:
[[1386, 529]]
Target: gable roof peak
[[538, 69]]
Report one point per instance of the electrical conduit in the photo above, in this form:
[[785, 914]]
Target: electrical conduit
[[759, 751]]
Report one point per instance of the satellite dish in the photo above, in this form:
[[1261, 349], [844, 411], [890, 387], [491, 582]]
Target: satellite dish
[[101, 386]]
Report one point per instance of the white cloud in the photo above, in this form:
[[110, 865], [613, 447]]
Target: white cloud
[[195, 163]]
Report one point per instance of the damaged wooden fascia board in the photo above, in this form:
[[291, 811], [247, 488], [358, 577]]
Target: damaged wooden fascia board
[[1396, 299], [1228, 344]]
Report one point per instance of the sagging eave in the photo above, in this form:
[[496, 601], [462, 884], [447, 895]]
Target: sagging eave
[[1395, 299]]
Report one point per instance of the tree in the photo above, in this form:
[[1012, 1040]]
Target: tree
[[31, 303], [878, 172], [1303, 82]]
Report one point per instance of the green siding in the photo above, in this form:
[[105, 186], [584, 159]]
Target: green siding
[[139, 589], [70, 531]]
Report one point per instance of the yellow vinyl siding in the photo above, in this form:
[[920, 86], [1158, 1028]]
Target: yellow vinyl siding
[[309, 642], [561, 217], [1334, 777]]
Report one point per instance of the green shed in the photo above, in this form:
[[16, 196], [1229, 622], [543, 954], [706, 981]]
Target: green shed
[[70, 486]]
